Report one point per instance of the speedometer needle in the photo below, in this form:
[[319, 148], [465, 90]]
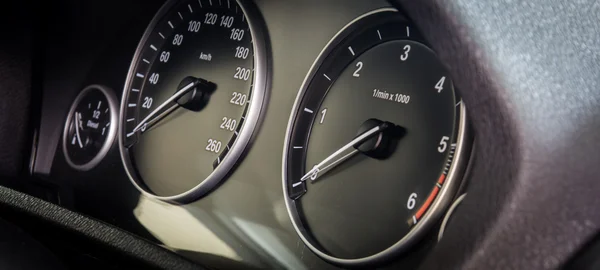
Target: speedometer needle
[[338, 156], [152, 116]]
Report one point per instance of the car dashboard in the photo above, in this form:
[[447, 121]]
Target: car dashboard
[[292, 134]]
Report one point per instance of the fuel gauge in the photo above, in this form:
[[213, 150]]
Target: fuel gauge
[[90, 127]]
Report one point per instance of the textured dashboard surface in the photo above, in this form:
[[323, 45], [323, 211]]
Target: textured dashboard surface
[[529, 72], [108, 236]]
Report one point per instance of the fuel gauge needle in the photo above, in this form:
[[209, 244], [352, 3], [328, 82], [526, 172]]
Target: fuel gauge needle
[[77, 127], [340, 155]]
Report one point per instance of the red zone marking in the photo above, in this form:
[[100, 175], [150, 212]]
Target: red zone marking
[[430, 199]]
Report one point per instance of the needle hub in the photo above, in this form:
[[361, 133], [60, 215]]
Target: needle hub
[[384, 143], [196, 98]]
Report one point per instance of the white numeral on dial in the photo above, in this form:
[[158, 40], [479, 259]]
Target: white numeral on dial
[[404, 56], [213, 146], [412, 200], [147, 103], [242, 73], [323, 113], [194, 26], [228, 124], [236, 34], [238, 99], [164, 56], [210, 18], [177, 40], [154, 78], [359, 66], [226, 21], [440, 84], [443, 144], [241, 52]]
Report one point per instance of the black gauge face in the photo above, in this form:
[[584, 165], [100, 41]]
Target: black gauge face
[[372, 143], [90, 127], [194, 93]]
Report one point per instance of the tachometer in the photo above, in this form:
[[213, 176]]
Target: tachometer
[[375, 143], [193, 97]]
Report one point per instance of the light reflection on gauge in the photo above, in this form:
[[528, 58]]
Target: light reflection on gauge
[[376, 143], [193, 97]]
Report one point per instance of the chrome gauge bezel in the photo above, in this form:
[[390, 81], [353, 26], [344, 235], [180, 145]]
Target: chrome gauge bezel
[[249, 126], [112, 129], [433, 214]]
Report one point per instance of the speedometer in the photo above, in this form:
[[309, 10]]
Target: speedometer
[[193, 97]]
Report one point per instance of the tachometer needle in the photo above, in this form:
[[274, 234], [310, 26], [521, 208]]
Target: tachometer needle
[[339, 156], [77, 127], [155, 113]]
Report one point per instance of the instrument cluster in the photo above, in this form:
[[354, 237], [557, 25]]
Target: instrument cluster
[[372, 139]]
